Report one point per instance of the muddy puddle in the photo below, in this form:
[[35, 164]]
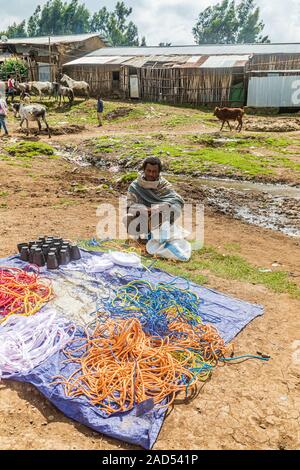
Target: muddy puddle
[[273, 206]]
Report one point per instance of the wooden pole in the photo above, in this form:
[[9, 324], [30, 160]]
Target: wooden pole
[[50, 59]]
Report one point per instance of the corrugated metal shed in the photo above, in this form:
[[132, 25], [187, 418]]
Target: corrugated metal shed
[[274, 91], [213, 49], [44, 40]]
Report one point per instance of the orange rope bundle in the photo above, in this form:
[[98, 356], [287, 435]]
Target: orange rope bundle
[[21, 292], [203, 339], [121, 367]]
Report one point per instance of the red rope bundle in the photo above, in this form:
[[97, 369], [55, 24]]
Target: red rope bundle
[[21, 292]]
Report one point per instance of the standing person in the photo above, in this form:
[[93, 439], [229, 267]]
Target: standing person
[[100, 107], [11, 88], [3, 115]]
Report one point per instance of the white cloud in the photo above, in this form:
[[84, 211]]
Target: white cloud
[[173, 20]]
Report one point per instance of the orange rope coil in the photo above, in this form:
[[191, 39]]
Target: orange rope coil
[[120, 366]]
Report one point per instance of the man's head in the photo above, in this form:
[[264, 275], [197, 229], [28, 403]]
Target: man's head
[[152, 168]]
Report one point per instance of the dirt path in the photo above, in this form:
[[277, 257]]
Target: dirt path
[[248, 406]]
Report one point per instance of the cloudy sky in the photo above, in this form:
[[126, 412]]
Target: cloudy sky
[[172, 20]]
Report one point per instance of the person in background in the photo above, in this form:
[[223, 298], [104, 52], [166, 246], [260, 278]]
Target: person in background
[[3, 115], [100, 107], [10, 88]]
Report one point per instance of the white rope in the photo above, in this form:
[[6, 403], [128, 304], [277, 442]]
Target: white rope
[[26, 342]]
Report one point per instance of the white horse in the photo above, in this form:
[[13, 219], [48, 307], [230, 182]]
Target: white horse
[[32, 112], [79, 88], [42, 88]]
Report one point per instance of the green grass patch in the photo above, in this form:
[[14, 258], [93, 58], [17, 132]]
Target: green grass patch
[[64, 202], [79, 188], [237, 268], [3, 193], [21, 165], [232, 247], [237, 141], [229, 266], [85, 112], [186, 157], [206, 160], [128, 177], [29, 149]]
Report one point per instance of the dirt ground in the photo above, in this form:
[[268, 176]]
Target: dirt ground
[[253, 405]]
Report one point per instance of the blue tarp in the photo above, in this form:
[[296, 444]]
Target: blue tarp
[[141, 425]]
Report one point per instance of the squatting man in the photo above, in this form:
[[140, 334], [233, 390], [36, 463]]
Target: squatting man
[[151, 201]]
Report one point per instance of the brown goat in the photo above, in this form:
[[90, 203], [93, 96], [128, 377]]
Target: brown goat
[[230, 114]]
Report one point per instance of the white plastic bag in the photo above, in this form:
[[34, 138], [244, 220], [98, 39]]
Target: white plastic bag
[[168, 232], [168, 241], [99, 265], [179, 250]]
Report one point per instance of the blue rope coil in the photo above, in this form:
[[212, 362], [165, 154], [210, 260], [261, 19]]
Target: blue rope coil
[[149, 303]]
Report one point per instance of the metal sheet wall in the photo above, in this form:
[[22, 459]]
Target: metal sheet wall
[[274, 91]]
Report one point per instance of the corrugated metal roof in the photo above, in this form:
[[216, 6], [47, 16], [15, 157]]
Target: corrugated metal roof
[[225, 61], [182, 61], [206, 49], [43, 40], [165, 61], [86, 60], [136, 61], [276, 71]]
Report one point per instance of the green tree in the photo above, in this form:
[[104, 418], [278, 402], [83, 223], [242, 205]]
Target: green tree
[[17, 30], [251, 26], [76, 18], [58, 17], [33, 22], [51, 20], [228, 23], [99, 21], [16, 67], [115, 26]]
